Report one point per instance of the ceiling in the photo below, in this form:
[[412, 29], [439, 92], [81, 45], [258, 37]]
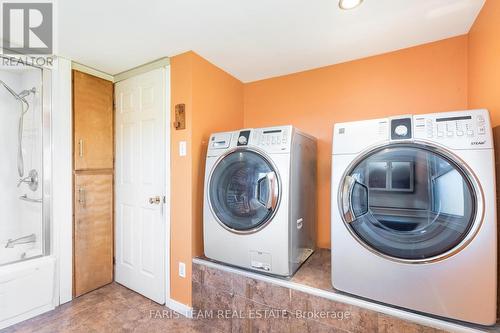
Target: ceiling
[[251, 39]]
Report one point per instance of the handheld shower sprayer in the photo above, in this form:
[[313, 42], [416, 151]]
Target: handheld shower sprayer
[[21, 97]]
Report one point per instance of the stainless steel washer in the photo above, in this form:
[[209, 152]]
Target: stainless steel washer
[[260, 199]]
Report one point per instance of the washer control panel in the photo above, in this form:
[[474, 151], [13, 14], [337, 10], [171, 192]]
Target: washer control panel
[[272, 139], [464, 129]]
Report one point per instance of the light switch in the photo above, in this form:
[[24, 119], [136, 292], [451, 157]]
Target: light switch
[[182, 269], [182, 148]]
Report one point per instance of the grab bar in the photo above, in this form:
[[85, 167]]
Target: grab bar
[[25, 198], [21, 240]]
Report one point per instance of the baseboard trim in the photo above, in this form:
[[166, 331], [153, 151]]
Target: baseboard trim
[[180, 308]]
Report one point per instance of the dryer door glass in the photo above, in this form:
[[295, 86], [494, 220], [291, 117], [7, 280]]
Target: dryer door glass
[[244, 191], [408, 202]]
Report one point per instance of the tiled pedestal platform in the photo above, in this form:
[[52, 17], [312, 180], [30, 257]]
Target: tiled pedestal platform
[[236, 300]]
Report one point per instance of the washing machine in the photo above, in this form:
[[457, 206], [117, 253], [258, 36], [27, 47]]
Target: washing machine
[[260, 199], [414, 213]]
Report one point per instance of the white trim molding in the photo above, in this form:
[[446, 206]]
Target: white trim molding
[[158, 63], [62, 171], [92, 71], [180, 308], [168, 181]]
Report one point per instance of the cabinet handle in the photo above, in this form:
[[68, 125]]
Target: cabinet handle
[[80, 143], [81, 196]]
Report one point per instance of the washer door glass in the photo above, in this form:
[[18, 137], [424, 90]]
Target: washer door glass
[[408, 202], [244, 190]]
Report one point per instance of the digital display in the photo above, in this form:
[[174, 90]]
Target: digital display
[[272, 131], [453, 118]]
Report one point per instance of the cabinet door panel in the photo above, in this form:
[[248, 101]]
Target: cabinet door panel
[[93, 232], [93, 122]]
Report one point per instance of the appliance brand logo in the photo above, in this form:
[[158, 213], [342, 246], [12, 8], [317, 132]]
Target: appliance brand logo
[[478, 143]]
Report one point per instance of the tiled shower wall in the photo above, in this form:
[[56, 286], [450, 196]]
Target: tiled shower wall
[[230, 302]]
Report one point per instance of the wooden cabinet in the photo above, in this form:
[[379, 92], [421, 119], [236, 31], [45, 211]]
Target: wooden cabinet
[[93, 233], [93, 122], [93, 158]]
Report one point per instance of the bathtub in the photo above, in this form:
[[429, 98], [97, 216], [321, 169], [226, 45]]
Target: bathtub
[[26, 287]]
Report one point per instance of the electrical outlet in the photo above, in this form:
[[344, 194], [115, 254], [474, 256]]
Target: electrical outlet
[[182, 270]]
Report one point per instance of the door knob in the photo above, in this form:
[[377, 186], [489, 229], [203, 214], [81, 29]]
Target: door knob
[[155, 200]]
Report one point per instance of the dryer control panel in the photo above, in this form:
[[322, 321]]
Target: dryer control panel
[[458, 130], [469, 129]]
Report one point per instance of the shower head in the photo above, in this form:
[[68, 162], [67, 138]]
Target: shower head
[[21, 95], [26, 92]]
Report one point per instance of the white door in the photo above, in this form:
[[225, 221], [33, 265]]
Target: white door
[[141, 155]]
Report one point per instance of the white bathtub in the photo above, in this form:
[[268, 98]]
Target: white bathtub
[[26, 288]]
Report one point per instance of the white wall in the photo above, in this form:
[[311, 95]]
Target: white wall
[[62, 214]]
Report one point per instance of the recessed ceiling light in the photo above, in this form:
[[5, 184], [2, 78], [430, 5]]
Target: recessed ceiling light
[[349, 4]]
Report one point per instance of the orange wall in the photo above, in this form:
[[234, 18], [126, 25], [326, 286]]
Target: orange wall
[[484, 61], [428, 78], [180, 201], [422, 79], [218, 104], [214, 102]]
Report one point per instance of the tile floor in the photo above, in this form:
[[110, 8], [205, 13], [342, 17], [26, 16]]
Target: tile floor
[[115, 308], [110, 309]]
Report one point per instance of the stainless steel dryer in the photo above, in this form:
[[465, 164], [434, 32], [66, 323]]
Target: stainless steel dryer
[[260, 199], [414, 213]]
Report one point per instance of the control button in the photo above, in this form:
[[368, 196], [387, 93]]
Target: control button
[[460, 133], [401, 130], [481, 130], [449, 133], [470, 133], [274, 140], [440, 134], [480, 119], [242, 140]]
